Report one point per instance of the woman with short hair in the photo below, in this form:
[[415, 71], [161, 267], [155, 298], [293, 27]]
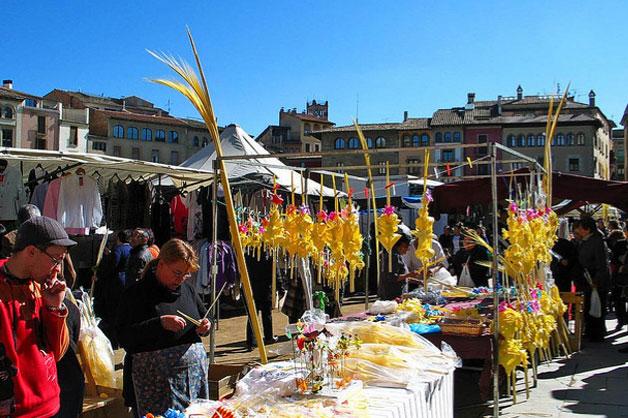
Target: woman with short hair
[[169, 362]]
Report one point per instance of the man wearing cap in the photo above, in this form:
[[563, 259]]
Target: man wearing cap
[[32, 317]]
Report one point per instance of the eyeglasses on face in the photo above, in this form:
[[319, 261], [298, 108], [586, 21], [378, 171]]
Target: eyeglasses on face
[[179, 274], [55, 261]]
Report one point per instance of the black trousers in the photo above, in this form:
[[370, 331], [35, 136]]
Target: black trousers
[[72, 385], [595, 328], [265, 308], [620, 304]]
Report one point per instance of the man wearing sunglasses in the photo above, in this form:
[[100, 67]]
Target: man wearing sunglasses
[[32, 317]]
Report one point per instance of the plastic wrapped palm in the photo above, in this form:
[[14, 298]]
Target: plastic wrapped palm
[[352, 238], [388, 223], [424, 225]]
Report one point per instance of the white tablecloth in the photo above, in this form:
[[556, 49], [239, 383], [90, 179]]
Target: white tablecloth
[[435, 400]]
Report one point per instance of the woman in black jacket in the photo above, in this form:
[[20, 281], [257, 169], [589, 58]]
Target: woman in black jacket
[[168, 360]]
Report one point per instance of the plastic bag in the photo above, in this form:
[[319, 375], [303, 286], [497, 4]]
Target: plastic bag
[[98, 354], [383, 307], [595, 310], [465, 277]]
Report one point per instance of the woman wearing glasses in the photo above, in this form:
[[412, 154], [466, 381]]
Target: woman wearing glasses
[[168, 361]]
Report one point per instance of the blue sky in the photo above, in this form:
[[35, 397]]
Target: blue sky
[[390, 56]]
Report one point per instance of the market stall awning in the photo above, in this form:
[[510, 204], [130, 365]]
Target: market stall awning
[[235, 141], [103, 165], [456, 197]]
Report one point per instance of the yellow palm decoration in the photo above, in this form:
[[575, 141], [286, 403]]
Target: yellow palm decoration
[[194, 88]]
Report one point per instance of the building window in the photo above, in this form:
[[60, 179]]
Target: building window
[[41, 124], [154, 155], [531, 140], [413, 166], [570, 139], [516, 166], [354, 143], [99, 146], [173, 137], [160, 135], [382, 167], [482, 139], [380, 142], [574, 164], [580, 138], [196, 142], [416, 141], [339, 165], [307, 147], [511, 141], [522, 141], [7, 137], [118, 131], [73, 139], [339, 143], [369, 142], [135, 153], [7, 113], [448, 156], [317, 148], [560, 139], [406, 141], [447, 136], [117, 151], [439, 137], [425, 140], [540, 140], [307, 128], [205, 142], [174, 157], [457, 137], [30, 103], [147, 134], [132, 133]]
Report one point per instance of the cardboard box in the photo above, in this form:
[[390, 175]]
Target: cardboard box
[[222, 379]]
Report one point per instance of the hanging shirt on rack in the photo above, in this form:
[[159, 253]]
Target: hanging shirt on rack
[[51, 203], [11, 193], [79, 204], [195, 216], [38, 198], [226, 263], [179, 216]]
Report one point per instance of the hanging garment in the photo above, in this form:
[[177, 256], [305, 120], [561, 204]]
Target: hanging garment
[[79, 207], [179, 212], [195, 217], [160, 221], [11, 193], [202, 276], [51, 202], [36, 173], [38, 198], [226, 264]]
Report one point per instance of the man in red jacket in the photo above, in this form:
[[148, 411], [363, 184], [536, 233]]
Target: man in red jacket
[[33, 333]]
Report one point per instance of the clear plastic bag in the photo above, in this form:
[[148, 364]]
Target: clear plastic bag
[[98, 354]]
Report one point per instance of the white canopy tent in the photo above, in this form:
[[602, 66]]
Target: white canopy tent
[[235, 141], [104, 165]]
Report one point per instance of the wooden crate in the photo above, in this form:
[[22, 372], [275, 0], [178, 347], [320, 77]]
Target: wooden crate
[[577, 302], [222, 379]]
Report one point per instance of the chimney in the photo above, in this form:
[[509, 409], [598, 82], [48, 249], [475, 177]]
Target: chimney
[[519, 92], [591, 98], [499, 105], [470, 98], [7, 84], [405, 115]]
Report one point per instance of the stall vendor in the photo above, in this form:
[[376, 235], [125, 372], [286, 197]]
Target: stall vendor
[[393, 282], [159, 325]]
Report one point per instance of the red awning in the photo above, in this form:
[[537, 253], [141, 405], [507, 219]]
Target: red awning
[[456, 197]]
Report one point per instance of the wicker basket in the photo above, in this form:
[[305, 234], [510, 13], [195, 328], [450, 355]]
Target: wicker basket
[[459, 327]]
